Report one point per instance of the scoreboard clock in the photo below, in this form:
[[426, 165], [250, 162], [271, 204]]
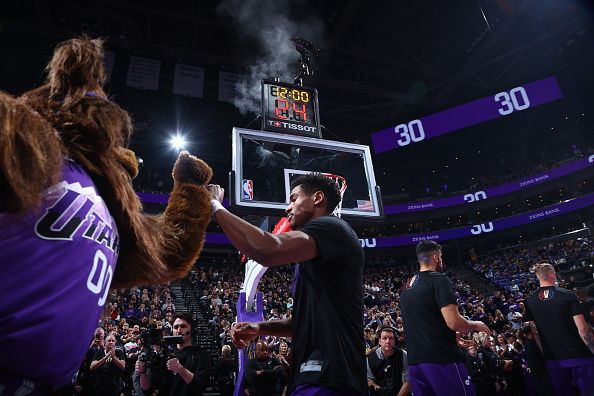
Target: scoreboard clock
[[291, 109]]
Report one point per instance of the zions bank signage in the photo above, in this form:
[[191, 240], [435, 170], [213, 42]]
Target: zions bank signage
[[492, 192]]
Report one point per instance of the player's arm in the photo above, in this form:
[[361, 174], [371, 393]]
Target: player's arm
[[456, 322], [585, 331], [278, 328], [404, 389], [536, 335], [266, 248], [244, 332]]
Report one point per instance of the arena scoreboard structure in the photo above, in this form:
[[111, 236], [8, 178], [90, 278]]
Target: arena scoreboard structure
[[289, 108]]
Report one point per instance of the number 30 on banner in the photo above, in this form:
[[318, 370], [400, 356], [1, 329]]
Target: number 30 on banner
[[412, 132]]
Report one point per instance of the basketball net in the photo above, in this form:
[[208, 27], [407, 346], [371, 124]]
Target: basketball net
[[342, 186]]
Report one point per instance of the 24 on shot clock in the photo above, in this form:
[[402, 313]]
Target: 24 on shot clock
[[291, 109]]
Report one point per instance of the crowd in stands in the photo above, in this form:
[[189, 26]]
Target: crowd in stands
[[127, 316], [503, 362], [509, 269], [485, 171], [455, 178], [476, 216]]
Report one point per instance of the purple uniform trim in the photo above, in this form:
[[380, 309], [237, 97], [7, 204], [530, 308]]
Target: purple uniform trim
[[57, 264], [315, 390], [440, 379], [569, 376]]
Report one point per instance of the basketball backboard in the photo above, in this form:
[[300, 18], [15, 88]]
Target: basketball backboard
[[264, 165]]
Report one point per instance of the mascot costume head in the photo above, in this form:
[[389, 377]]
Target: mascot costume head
[[71, 225]]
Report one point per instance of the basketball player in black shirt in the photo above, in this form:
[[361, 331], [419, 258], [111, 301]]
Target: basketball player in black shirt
[[566, 339], [431, 319], [327, 323]]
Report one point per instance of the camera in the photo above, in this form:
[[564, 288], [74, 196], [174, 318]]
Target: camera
[[153, 359]]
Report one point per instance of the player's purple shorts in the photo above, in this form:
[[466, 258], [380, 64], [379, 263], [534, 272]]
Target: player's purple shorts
[[440, 379], [315, 390], [571, 375]]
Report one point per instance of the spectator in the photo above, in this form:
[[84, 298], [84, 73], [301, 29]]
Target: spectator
[[387, 368], [492, 367], [515, 376], [224, 372], [477, 370], [168, 306], [536, 363], [108, 367], [264, 374]]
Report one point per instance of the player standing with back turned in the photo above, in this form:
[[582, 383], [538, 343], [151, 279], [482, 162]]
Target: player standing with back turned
[[431, 319]]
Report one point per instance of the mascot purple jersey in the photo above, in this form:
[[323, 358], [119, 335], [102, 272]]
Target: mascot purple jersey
[[59, 260]]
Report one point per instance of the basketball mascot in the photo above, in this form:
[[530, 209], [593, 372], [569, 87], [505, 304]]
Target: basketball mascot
[[71, 225]]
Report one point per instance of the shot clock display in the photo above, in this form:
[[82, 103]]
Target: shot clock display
[[290, 109]]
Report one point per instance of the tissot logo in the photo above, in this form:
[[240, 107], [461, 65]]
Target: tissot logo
[[290, 125]]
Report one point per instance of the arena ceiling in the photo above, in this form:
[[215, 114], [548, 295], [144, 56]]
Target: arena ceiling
[[382, 62]]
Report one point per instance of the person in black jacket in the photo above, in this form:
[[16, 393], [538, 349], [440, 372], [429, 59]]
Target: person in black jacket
[[492, 365], [536, 363], [387, 369], [224, 372], [264, 373]]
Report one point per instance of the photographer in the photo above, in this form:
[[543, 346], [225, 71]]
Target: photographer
[[85, 378], [187, 371], [150, 362]]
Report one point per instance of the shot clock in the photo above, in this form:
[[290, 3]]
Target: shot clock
[[289, 108]]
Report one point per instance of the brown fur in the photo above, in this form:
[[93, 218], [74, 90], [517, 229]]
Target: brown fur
[[94, 132], [25, 138]]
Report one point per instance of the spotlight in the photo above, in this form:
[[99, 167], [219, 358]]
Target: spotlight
[[178, 142]]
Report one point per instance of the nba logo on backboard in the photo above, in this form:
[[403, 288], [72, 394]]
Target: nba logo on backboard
[[248, 190]]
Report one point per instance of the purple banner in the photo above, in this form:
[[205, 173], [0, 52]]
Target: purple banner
[[520, 184], [462, 232], [491, 226], [501, 104]]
